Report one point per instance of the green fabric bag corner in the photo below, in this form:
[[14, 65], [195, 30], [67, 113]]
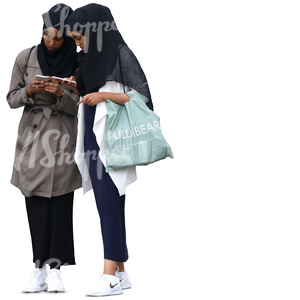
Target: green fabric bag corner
[[133, 134]]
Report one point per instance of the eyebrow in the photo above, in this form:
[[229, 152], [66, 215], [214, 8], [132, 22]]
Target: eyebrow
[[75, 36], [53, 37]]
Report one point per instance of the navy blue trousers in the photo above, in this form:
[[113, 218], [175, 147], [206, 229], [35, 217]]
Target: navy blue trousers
[[111, 207]]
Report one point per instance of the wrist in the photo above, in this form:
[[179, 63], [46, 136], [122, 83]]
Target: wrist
[[100, 96], [29, 90], [104, 96], [60, 93]]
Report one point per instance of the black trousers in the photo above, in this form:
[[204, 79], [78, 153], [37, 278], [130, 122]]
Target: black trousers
[[111, 206], [51, 228]]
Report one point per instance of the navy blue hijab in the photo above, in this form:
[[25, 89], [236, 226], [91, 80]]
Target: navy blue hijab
[[106, 56]]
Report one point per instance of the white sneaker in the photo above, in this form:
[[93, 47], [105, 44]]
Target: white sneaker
[[36, 281], [107, 285], [124, 279], [54, 282]]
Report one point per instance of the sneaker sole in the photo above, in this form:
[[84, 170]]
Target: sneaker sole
[[125, 284], [55, 291], [32, 292], [43, 289], [126, 287], [101, 295]]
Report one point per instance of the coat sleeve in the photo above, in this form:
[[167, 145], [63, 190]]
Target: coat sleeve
[[17, 95], [68, 103]]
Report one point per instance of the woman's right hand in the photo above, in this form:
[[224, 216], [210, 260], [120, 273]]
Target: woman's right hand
[[36, 86]]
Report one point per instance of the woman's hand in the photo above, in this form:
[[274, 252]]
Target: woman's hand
[[36, 86], [52, 86], [71, 83], [93, 98]]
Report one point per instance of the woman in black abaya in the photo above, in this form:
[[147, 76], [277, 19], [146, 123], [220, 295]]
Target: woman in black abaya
[[107, 70]]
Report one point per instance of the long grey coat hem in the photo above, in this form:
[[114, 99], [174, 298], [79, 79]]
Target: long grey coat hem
[[43, 194]]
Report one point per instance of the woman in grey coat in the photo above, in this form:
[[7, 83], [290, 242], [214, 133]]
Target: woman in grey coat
[[44, 168]]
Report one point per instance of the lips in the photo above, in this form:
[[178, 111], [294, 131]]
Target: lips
[[51, 48]]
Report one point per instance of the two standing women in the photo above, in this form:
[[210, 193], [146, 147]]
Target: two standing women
[[44, 168], [107, 70]]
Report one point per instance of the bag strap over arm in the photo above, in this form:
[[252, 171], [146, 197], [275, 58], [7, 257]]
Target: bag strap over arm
[[121, 70]]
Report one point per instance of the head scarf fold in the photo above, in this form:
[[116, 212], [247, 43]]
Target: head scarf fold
[[62, 62], [106, 56]]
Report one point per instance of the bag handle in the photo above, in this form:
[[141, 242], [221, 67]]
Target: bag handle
[[121, 70]]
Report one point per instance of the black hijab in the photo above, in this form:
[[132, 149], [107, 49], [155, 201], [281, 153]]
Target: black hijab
[[62, 62], [106, 56]]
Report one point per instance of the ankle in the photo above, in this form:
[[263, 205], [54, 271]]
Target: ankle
[[120, 267]]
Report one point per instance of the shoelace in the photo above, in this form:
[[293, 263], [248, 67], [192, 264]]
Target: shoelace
[[102, 277], [53, 274], [35, 274], [102, 280]]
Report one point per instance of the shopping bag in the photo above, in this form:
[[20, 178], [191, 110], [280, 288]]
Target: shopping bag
[[133, 134]]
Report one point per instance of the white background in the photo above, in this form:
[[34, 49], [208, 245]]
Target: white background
[[221, 220]]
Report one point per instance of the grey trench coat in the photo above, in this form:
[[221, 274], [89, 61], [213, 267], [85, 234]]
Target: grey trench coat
[[44, 156]]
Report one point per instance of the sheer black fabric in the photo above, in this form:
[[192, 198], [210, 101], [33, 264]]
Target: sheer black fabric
[[129, 72], [106, 56]]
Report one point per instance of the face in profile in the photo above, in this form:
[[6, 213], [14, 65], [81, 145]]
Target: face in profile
[[79, 39]]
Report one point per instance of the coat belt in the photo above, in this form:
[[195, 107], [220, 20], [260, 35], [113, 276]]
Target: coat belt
[[47, 112]]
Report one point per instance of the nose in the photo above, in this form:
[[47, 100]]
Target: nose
[[52, 42]]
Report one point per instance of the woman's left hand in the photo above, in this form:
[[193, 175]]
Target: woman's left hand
[[52, 86], [70, 83], [93, 98]]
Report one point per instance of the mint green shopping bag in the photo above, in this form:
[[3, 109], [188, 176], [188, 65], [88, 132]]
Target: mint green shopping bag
[[133, 135]]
